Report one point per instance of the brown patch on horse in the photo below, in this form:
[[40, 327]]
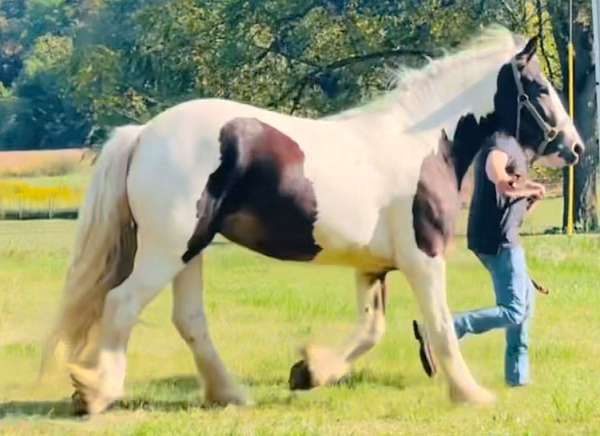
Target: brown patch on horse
[[437, 201], [243, 225], [259, 196]]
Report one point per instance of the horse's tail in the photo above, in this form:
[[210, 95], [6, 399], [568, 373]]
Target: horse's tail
[[104, 250]]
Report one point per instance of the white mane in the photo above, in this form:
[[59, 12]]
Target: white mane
[[455, 80]]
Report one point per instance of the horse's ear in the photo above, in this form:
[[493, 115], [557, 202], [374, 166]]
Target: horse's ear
[[445, 145], [525, 55]]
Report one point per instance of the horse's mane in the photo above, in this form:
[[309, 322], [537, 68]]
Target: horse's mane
[[440, 78]]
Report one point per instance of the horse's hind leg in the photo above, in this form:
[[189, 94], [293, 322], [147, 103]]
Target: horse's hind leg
[[427, 277], [320, 365], [102, 383], [190, 320]]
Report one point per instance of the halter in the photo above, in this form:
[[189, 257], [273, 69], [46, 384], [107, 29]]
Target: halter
[[523, 101]]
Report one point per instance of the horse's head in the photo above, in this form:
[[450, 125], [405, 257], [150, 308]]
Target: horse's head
[[528, 107]]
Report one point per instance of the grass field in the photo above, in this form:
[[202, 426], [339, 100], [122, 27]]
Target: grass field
[[43, 184], [43, 196], [261, 311]]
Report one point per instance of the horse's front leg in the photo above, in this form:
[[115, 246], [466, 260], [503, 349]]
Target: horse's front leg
[[427, 277], [322, 366]]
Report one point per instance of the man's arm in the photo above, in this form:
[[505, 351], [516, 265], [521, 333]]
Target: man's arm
[[495, 168]]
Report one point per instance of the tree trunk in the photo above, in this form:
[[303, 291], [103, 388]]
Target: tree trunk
[[585, 207]]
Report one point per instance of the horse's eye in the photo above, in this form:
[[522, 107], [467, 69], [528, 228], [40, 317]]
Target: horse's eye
[[544, 91]]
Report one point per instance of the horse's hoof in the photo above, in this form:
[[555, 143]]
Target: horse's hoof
[[301, 377], [79, 404], [477, 396], [232, 396], [88, 401]]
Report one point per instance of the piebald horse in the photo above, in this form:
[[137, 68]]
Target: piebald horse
[[360, 189]]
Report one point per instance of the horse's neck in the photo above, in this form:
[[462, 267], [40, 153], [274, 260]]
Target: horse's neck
[[430, 113], [404, 138], [439, 96], [404, 127]]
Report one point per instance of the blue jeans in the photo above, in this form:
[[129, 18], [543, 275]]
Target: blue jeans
[[515, 297]]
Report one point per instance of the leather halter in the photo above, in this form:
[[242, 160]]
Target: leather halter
[[550, 133]]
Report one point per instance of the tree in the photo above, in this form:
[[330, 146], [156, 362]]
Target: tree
[[35, 51], [130, 59], [585, 200], [43, 115]]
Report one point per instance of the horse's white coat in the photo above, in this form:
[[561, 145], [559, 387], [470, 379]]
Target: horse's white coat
[[364, 165]]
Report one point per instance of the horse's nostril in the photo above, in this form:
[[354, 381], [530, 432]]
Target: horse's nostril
[[578, 149]]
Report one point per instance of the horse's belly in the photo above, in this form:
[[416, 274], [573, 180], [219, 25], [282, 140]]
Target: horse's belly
[[362, 258], [285, 235], [354, 233]]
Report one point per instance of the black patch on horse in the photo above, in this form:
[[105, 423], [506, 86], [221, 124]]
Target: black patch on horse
[[258, 197], [436, 202]]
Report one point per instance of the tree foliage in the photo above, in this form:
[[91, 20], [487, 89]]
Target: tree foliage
[[72, 68]]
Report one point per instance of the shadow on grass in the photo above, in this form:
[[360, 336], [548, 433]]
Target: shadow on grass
[[182, 383], [367, 377], [43, 409], [180, 386], [63, 409], [183, 386], [351, 381]]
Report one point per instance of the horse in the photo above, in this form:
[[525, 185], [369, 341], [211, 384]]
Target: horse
[[352, 189]]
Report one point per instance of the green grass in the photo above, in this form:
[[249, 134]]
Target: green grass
[[261, 311]]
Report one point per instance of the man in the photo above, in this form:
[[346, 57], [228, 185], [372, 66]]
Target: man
[[502, 195]]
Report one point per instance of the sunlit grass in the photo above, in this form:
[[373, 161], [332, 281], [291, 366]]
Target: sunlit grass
[[261, 311]]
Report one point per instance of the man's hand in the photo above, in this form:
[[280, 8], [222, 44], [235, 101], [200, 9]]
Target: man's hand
[[510, 185], [540, 190]]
